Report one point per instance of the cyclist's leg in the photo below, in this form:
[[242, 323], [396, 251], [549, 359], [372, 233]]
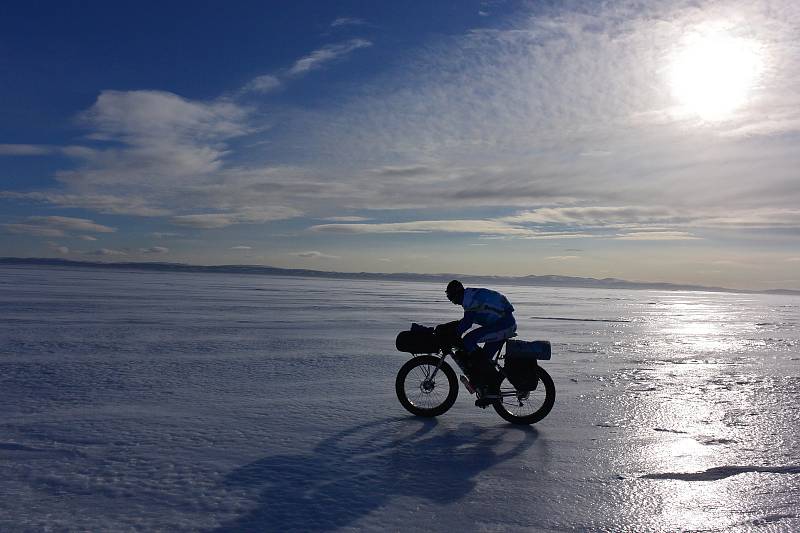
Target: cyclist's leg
[[485, 374], [492, 337]]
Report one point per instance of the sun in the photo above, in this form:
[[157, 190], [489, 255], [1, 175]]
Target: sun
[[712, 73]]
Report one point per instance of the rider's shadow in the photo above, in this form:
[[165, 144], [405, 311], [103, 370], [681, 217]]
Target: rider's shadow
[[360, 469]]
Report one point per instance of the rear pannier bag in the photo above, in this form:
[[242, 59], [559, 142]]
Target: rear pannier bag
[[530, 349], [418, 339], [521, 367]]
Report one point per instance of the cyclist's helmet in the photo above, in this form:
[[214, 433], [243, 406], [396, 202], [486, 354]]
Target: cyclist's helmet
[[455, 292]]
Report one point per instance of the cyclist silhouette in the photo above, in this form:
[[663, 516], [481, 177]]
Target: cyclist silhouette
[[495, 316]]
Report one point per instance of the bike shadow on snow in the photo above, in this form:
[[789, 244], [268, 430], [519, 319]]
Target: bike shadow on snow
[[356, 471]]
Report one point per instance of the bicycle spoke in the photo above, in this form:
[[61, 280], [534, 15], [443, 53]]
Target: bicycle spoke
[[416, 380]]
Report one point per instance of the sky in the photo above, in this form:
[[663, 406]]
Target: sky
[[649, 141]]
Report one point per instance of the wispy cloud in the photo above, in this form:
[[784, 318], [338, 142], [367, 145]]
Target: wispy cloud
[[241, 247], [347, 21], [346, 219], [56, 226], [154, 250], [485, 228], [318, 58], [61, 249], [262, 84], [221, 220], [313, 254], [106, 252], [34, 230], [25, 149], [657, 236], [427, 226], [267, 83], [117, 204], [72, 224], [602, 216]]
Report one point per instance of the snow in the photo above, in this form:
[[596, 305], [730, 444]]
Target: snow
[[176, 401]]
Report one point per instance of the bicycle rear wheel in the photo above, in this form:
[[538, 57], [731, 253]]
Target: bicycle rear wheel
[[526, 407], [422, 393]]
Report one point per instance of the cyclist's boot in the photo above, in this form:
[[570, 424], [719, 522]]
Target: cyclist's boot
[[488, 381]]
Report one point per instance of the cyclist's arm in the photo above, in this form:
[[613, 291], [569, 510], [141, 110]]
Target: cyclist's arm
[[466, 322]]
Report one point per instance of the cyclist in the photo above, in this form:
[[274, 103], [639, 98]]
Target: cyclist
[[494, 314]]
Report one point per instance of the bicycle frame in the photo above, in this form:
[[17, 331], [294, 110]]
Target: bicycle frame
[[495, 358]]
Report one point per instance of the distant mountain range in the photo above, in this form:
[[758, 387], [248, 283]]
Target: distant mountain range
[[544, 281]]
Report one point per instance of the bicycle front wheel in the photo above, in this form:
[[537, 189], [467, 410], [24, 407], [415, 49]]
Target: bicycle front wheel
[[526, 407], [422, 392]]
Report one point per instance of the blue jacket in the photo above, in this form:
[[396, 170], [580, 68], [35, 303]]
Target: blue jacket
[[484, 307]]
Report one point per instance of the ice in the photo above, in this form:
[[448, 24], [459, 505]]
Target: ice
[[223, 402]]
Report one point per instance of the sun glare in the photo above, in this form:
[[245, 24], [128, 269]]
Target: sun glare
[[712, 73]]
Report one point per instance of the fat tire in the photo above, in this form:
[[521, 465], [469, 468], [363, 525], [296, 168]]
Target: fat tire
[[452, 383], [550, 399]]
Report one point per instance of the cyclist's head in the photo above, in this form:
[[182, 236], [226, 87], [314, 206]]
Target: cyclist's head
[[455, 292]]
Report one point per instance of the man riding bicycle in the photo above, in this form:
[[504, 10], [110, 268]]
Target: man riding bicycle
[[494, 314]]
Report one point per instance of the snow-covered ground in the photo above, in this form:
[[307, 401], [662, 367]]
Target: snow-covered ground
[[174, 401]]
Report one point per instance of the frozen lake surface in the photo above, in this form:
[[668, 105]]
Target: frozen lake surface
[[175, 401]]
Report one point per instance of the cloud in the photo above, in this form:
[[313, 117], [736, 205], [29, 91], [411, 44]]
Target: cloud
[[600, 216], [25, 149], [56, 226], [405, 171], [159, 154], [485, 228], [240, 247], [315, 255], [326, 54], [154, 250], [657, 236], [101, 203], [71, 224], [221, 220], [33, 230], [107, 252], [147, 118], [551, 119], [63, 250], [562, 257], [595, 153], [157, 137], [205, 221], [347, 21], [427, 226], [262, 84], [88, 238], [267, 83], [346, 219]]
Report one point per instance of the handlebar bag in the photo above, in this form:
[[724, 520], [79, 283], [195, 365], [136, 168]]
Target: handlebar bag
[[419, 339]]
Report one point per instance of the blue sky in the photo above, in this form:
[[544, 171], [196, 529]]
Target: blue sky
[[643, 140]]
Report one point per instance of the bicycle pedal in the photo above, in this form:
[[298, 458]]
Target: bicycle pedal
[[483, 403]]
